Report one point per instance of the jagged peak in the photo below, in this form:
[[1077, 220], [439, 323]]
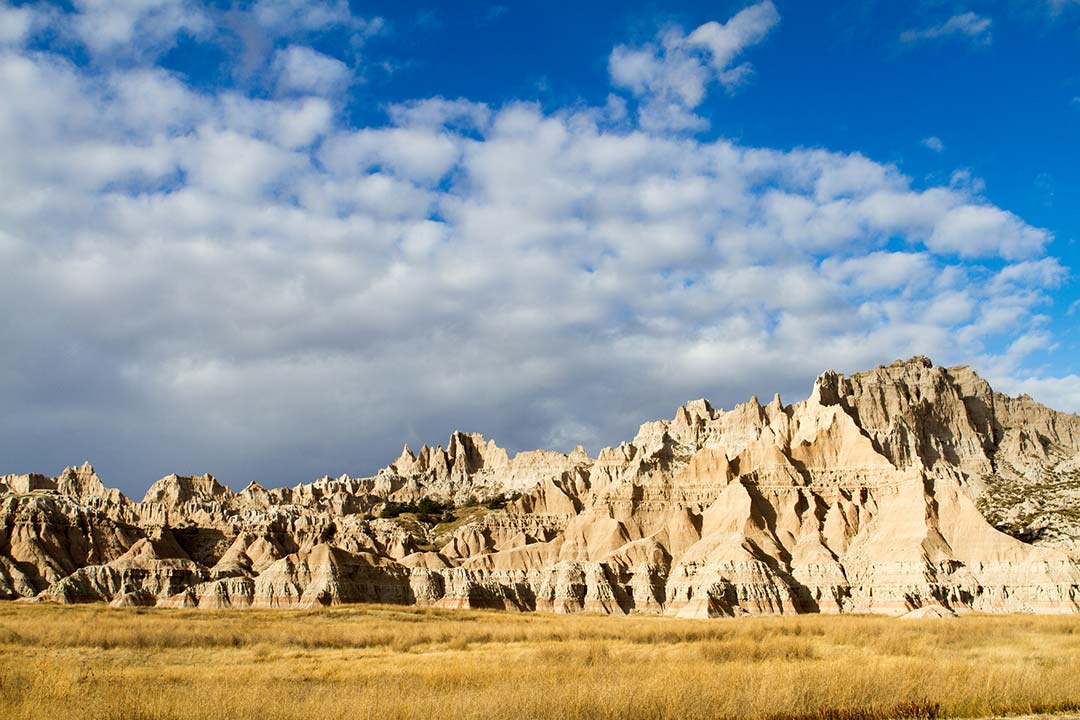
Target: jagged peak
[[579, 454], [751, 408], [915, 364], [913, 361], [464, 452], [913, 367], [701, 407], [461, 435], [826, 388], [173, 489], [775, 408], [84, 470]]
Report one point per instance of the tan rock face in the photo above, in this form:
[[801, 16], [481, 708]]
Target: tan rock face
[[872, 495]]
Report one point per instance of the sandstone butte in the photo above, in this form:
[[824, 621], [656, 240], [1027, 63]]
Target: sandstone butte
[[908, 488]]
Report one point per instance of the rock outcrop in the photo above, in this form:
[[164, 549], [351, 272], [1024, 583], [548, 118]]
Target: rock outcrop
[[906, 487]]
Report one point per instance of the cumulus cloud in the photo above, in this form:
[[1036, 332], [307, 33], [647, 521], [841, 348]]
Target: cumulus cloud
[[881, 270], [1044, 273], [265, 26], [135, 27], [300, 69], [15, 24], [671, 75], [969, 25], [215, 281], [983, 230], [439, 112], [1057, 391], [934, 143]]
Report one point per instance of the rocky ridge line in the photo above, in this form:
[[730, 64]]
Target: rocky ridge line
[[872, 495]]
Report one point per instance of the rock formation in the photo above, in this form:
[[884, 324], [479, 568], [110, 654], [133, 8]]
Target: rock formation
[[878, 493]]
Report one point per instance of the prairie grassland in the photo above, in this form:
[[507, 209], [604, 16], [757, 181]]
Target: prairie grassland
[[392, 662]]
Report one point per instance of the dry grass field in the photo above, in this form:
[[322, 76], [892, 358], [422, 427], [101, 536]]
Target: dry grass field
[[390, 662]]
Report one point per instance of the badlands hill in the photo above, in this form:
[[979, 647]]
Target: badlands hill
[[909, 486]]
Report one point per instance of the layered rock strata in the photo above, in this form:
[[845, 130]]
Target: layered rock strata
[[875, 494]]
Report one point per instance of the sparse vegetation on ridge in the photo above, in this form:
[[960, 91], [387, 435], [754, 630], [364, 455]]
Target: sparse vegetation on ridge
[[397, 662], [501, 501], [1042, 511], [426, 510]]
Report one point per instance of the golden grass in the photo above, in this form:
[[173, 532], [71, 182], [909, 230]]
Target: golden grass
[[390, 662]]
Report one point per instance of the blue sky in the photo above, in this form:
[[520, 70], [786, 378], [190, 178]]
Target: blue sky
[[273, 240]]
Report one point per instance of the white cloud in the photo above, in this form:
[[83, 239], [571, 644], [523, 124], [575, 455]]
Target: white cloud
[[966, 25], [255, 287], [659, 116], [135, 27], [263, 27], [153, 100], [880, 271], [1045, 273], [439, 112], [983, 230], [15, 24], [949, 308], [1062, 393], [934, 143], [300, 69], [412, 153], [230, 164], [667, 70], [725, 41], [303, 122], [670, 76]]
